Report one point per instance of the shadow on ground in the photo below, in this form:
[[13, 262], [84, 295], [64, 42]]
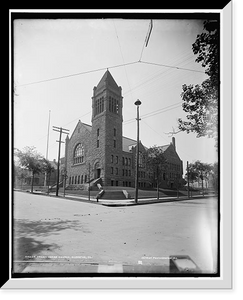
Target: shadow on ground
[[29, 238], [44, 227]]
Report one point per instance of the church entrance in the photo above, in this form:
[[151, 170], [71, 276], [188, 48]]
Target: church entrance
[[98, 173], [97, 170]]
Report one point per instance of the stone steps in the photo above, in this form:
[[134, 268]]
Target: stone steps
[[113, 195]]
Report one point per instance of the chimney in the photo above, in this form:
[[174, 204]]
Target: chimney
[[173, 142]]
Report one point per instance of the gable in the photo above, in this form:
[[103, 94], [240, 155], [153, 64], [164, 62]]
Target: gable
[[80, 129], [127, 144], [171, 153]]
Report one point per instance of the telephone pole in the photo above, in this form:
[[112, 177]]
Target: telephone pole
[[137, 103], [187, 169], [47, 146], [60, 130]]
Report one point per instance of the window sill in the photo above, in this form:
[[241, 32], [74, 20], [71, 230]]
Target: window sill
[[78, 164]]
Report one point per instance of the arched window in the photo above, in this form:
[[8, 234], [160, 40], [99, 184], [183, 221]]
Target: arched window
[[78, 156]]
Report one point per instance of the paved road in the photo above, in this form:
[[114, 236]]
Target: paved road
[[58, 235]]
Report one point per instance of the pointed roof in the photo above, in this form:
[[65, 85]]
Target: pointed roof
[[164, 148], [86, 126], [107, 79]]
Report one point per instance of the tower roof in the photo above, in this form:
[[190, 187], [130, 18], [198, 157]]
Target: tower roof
[[107, 79]]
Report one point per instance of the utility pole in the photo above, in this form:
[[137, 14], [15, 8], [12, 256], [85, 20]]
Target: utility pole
[[89, 181], [187, 168], [65, 168], [137, 103], [47, 147], [60, 130]]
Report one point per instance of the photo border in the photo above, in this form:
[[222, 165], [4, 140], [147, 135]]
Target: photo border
[[224, 281]]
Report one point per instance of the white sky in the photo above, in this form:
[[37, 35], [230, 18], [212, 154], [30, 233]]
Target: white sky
[[45, 49]]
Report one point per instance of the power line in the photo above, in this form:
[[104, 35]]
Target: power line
[[159, 74], [77, 74], [122, 58], [154, 130], [164, 109], [105, 68], [173, 67], [184, 152]]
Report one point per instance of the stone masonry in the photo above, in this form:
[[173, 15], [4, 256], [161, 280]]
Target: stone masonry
[[101, 151]]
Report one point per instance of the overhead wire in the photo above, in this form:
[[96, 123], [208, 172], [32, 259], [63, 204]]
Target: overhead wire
[[154, 130], [155, 112], [105, 68], [184, 57], [156, 77], [77, 74], [181, 150], [130, 90], [168, 66]]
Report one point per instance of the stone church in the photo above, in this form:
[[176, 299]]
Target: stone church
[[100, 153]]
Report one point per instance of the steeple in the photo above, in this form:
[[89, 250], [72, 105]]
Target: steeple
[[107, 80], [107, 97], [106, 135]]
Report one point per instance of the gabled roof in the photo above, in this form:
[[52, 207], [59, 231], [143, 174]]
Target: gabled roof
[[53, 164], [107, 79], [171, 148], [164, 148], [86, 126], [127, 143]]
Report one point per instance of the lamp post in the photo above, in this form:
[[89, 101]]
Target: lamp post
[[137, 103]]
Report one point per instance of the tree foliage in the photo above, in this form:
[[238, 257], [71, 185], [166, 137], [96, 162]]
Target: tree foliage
[[199, 170], [31, 160], [156, 164], [201, 101], [206, 47]]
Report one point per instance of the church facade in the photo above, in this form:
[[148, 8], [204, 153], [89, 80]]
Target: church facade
[[100, 151]]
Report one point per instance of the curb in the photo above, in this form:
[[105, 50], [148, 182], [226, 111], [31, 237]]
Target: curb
[[142, 201], [155, 201]]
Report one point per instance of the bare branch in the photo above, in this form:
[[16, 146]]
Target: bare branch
[[171, 133]]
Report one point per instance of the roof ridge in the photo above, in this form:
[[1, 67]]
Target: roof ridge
[[129, 138]]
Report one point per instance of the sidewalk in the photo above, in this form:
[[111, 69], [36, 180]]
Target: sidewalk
[[125, 202], [128, 202]]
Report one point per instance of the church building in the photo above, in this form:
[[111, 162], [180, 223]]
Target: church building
[[100, 153]]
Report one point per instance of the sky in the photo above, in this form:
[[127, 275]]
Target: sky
[[47, 51]]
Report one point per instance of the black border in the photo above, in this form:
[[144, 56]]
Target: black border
[[130, 15]]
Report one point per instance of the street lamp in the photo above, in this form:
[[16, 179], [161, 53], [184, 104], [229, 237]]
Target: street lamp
[[137, 103]]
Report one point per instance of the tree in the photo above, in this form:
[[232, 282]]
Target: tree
[[199, 171], [214, 174], [31, 160], [201, 101], [47, 168], [192, 174], [207, 48], [179, 182], [156, 164], [20, 174]]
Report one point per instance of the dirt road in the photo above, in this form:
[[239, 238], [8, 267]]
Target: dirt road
[[53, 233]]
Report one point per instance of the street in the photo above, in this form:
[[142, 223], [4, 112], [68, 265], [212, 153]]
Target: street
[[57, 235]]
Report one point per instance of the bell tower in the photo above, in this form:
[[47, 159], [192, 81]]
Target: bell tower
[[107, 130]]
